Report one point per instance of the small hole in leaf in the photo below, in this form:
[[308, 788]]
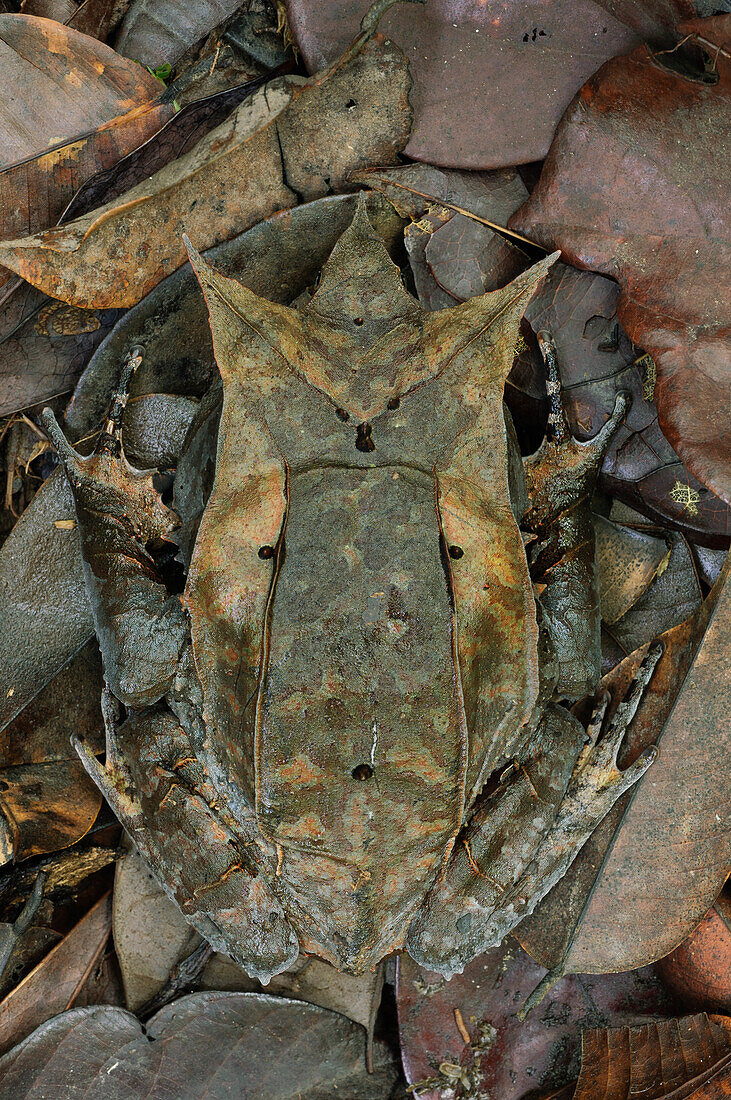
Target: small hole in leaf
[[342, 415], [361, 772], [393, 403], [456, 552], [363, 441], [266, 552], [351, 104]]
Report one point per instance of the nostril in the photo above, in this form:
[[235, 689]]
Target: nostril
[[361, 772], [456, 552], [266, 552], [358, 321], [393, 403], [363, 441]]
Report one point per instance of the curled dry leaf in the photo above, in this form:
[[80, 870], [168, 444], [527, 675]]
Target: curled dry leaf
[[72, 107], [682, 1059], [45, 795], [207, 1045], [654, 866], [627, 562], [291, 142], [515, 64], [470, 1026], [635, 186], [699, 970], [57, 981]]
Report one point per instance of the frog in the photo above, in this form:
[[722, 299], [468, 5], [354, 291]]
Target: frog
[[350, 733]]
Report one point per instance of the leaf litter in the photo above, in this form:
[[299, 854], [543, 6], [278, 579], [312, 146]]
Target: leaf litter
[[640, 889]]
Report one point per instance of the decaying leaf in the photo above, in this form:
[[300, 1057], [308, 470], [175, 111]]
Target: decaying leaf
[[635, 186], [682, 1059], [56, 982], [628, 561], [45, 795], [293, 141], [71, 107], [699, 970], [654, 866], [207, 1045], [491, 80], [468, 1028]]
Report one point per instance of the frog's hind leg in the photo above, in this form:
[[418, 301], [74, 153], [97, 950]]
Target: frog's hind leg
[[523, 839], [140, 627], [159, 791], [560, 479]]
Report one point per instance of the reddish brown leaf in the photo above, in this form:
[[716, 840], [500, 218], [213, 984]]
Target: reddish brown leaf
[[71, 107], [597, 361], [684, 1059], [636, 186], [491, 80], [653, 867], [700, 969], [292, 141], [471, 1022], [57, 981]]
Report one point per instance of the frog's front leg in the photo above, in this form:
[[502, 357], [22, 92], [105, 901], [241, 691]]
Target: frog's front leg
[[163, 797], [120, 513], [524, 837], [560, 480]]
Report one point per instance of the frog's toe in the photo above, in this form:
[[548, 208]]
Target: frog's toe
[[448, 939]]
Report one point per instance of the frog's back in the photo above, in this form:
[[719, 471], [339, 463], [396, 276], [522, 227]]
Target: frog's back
[[358, 683], [360, 747]]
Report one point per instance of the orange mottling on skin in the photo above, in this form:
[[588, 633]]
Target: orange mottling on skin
[[300, 770]]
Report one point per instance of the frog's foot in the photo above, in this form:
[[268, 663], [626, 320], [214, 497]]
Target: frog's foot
[[163, 799], [141, 629], [560, 479], [499, 877]]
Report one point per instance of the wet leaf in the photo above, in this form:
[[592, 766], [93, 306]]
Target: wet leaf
[[515, 65], [635, 186], [162, 30], [667, 1060], [699, 970], [654, 866], [291, 142], [72, 108], [46, 796], [211, 1045], [471, 1022], [55, 984]]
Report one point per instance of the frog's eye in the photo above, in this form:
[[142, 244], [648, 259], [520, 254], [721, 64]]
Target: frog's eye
[[361, 772]]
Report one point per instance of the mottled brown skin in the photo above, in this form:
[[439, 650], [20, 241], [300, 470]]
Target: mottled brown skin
[[364, 642]]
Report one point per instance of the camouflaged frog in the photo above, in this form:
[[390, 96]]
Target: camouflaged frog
[[343, 737]]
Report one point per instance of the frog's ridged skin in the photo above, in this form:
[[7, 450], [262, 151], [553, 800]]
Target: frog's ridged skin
[[307, 766]]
